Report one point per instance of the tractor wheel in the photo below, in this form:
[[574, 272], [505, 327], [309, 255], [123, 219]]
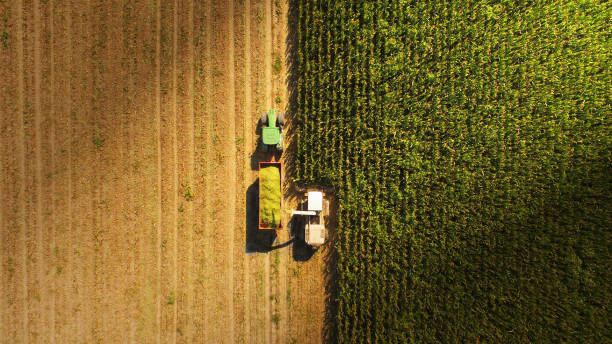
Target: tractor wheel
[[280, 119], [264, 118]]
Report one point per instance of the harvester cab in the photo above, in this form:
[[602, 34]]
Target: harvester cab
[[272, 129], [314, 216]]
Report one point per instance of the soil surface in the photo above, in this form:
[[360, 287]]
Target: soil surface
[[128, 176]]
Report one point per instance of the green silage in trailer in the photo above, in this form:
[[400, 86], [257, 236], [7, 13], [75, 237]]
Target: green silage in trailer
[[270, 196], [470, 144]]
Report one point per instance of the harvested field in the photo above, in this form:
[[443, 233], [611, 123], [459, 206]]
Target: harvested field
[[127, 140]]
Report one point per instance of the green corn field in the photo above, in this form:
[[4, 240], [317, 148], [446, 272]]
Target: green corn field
[[470, 146]]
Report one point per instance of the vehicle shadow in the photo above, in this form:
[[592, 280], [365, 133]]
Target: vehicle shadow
[[300, 251], [258, 240]]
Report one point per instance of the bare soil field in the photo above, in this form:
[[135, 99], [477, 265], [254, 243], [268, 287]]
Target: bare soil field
[[128, 176]]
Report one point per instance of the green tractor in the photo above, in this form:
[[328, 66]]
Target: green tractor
[[272, 130]]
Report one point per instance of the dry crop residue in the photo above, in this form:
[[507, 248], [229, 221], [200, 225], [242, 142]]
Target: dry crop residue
[[127, 143]]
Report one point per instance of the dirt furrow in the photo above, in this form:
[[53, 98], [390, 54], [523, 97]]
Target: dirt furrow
[[158, 290], [39, 314], [169, 179], [201, 103], [61, 272], [222, 235], [84, 145], [229, 152], [208, 169], [146, 131], [52, 210], [240, 161], [115, 157], [184, 62], [21, 149], [30, 137], [247, 148], [174, 212], [133, 231], [66, 251]]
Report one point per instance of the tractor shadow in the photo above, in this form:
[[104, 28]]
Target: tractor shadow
[[257, 241]]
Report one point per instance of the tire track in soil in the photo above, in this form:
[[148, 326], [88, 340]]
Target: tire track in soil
[[63, 244], [159, 160], [247, 149], [100, 141], [39, 317], [209, 168], [175, 173], [169, 178], [209, 204], [69, 289], [224, 154], [240, 162], [51, 228], [22, 173], [132, 235], [79, 114], [201, 104], [114, 210], [230, 153], [30, 138], [185, 168], [88, 307], [103, 170], [145, 126]]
